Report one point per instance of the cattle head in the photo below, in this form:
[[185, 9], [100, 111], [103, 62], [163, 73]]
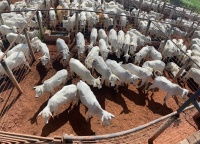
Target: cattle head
[[106, 117], [65, 54], [44, 60], [105, 53], [134, 79], [97, 83], [185, 92], [126, 56], [38, 90], [14, 29], [114, 80], [45, 114]]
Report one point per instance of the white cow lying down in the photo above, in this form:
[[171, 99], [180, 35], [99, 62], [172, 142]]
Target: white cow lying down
[[48, 86], [172, 89], [66, 94], [88, 98], [77, 67]]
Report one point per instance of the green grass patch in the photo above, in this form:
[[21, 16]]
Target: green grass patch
[[191, 4]]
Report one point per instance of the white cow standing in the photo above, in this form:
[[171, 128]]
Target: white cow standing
[[77, 67], [124, 75], [63, 49], [93, 38], [88, 98], [100, 66], [66, 94], [80, 44], [50, 84], [164, 84]]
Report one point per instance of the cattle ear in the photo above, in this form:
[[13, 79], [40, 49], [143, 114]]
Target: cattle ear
[[34, 87], [39, 58], [50, 114]]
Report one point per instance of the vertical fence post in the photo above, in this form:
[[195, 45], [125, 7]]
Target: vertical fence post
[[39, 23], [2, 22], [147, 29], [163, 8], [172, 12], [181, 70], [11, 76], [76, 24], [151, 4], [29, 44]]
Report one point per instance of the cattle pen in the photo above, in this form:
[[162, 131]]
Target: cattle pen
[[137, 115]]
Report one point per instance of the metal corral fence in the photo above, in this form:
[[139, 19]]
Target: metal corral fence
[[133, 23]]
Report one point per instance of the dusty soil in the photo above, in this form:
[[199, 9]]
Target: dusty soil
[[131, 106]]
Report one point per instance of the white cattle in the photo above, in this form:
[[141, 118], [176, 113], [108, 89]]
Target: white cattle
[[50, 84], [102, 35], [103, 49], [11, 36], [100, 66], [107, 22], [33, 34], [63, 49], [4, 29], [173, 68], [88, 98], [123, 20], [116, 11], [142, 54], [193, 73], [172, 89], [70, 23], [35, 43], [20, 47], [93, 53], [143, 73], [154, 54], [45, 59], [77, 67], [113, 40], [126, 46], [82, 21], [195, 41], [4, 5], [147, 39], [15, 60], [178, 32], [93, 38], [155, 65], [92, 19], [67, 94], [80, 44], [135, 41], [125, 76], [120, 42], [52, 17], [196, 34]]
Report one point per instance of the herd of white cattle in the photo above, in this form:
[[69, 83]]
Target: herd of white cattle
[[132, 45]]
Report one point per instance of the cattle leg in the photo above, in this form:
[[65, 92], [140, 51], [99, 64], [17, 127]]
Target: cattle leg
[[89, 116], [166, 97], [151, 87]]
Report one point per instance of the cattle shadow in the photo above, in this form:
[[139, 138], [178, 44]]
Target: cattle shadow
[[196, 118], [42, 72], [6, 107], [78, 122], [57, 64], [75, 118], [34, 118], [158, 108], [112, 95], [138, 99]]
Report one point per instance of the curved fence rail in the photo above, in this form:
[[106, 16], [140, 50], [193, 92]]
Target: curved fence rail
[[135, 135]]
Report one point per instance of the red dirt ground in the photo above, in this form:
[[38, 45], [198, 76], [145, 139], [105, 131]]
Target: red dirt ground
[[130, 106]]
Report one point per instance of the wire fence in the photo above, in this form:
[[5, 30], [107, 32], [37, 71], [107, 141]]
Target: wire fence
[[158, 30]]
